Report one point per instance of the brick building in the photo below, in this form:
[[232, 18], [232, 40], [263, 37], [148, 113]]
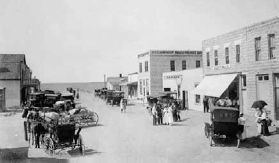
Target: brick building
[[16, 77], [153, 63], [246, 61]]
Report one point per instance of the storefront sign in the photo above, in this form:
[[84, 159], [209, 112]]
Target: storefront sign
[[172, 77], [221, 67]]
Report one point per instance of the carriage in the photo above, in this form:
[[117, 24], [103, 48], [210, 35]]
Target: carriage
[[224, 123], [63, 136], [114, 97], [53, 132]]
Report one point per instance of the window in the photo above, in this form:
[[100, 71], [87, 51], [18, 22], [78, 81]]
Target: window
[[198, 63], [271, 46], [147, 85], [227, 55], [167, 89], [140, 67], [237, 49], [198, 99], [172, 65], [207, 59], [183, 65], [257, 48], [146, 66], [244, 81], [140, 87], [216, 57], [263, 77]]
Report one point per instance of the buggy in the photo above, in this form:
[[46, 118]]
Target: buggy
[[224, 123]]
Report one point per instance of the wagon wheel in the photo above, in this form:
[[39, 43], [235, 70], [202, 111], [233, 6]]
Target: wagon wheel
[[81, 145], [49, 146]]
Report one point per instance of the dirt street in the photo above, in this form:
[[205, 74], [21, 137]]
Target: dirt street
[[131, 137]]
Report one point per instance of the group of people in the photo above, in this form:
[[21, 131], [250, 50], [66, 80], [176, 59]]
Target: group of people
[[225, 102], [165, 115]]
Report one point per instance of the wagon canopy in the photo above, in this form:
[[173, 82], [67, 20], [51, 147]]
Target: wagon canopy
[[225, 114], [214, 85]]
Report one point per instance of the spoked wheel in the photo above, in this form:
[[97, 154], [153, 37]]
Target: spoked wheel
[[49, 146], [81, 145]]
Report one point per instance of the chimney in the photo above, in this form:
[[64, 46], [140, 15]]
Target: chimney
[[120, 75]]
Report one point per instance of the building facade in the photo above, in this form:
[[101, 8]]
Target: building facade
[[16, 77], [115, 83], [183, 82], [153, 63], [252, 55]]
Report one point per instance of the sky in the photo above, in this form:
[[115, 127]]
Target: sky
[[83, 40]]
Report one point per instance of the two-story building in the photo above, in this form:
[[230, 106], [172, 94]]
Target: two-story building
[[153, 63], [16, 78], [244, 64]]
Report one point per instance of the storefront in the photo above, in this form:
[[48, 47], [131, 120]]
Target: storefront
[[183, 82], [224, 87]]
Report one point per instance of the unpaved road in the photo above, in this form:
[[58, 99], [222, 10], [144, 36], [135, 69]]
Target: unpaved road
[[131, 138]]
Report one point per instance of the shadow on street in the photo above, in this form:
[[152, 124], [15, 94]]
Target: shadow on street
[[76, 152]]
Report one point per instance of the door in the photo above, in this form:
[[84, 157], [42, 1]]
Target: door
[[263, 88], [276, 76]]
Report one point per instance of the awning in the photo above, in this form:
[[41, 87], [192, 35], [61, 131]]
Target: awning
[[214, 85]]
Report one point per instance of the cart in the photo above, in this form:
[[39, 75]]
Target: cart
[[63, 136], [224, 124]]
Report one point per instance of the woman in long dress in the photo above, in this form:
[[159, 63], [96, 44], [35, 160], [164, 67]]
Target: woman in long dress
[[170, 115], [165, 116]]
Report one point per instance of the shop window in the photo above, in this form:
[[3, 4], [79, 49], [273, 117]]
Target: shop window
[[271, 45], [198, 99], [260, 78], [257, 48], [207, 59]]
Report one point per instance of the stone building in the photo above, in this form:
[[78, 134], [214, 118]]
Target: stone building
[[153, 63], [244, 61], [16, 77]]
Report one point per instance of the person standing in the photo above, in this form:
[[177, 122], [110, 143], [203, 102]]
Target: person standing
[[122, 105], [170, 110], [159, 113], [154, 115], [205, 104], [261, 117], [241, 133], [166, 116]]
